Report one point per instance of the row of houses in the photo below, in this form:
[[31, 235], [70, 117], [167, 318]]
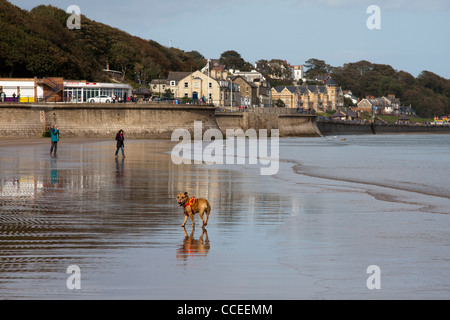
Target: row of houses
[[250, 89], [388, 105], [326, 97], [216, 86]]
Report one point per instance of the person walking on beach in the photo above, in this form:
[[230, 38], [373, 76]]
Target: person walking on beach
[[54, 137], [120, 144]]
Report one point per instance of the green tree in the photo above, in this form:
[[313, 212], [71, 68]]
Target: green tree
[[262, 66], [168, 94], [276, 71], [232, 60], [279, 103], [280, 69], [434, 82], [315, 67], [389, 85], [123, 56]]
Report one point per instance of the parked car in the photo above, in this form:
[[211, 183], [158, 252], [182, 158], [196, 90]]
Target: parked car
[[100, 99]]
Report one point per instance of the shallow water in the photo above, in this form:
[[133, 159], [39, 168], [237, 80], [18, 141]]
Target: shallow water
[[310, 232]]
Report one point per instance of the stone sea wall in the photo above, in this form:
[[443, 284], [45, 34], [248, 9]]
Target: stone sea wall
[[287, 124], [103, 120], [150, 121], [347, 128], [147, 121], [335, 128]]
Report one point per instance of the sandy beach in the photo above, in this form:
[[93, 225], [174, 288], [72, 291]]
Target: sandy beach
[[289, 236]]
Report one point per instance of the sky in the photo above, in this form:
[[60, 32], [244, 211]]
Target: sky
[[412, 36]]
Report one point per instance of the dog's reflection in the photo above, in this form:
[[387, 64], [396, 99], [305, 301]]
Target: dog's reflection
[[192, 247]]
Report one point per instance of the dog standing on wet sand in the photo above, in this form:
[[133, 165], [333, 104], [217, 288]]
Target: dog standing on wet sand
[[193, 206]]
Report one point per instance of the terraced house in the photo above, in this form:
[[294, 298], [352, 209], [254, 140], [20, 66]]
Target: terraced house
[[311, 97], [214, 88], [159, 86]]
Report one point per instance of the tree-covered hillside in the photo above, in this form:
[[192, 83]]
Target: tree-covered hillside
[[38, 43], [428, 94]]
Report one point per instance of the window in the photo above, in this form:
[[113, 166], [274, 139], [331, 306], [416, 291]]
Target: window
[[186, 85], [106, 92], [210, 85], [196, 84], [172, 83]]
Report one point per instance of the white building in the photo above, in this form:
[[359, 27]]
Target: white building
[[79, 91], [297, 72], [348, 94], [11, 90], [57, 90]]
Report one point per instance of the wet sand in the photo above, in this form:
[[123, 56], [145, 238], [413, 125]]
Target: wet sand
[[29, 142], [268, 237]]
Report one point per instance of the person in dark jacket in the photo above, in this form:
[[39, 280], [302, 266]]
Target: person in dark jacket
[[120, 144]]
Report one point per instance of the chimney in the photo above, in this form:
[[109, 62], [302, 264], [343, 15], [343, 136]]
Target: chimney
[[107, 65]]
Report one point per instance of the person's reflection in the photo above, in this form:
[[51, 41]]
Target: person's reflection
[[119, 171], [192, 247], [55, 183], [54, 175]]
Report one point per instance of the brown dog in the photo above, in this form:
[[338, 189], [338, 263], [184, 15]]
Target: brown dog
[[193, 206]]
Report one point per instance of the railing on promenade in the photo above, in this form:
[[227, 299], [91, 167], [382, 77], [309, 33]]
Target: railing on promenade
[[234, 109], [264, 110]]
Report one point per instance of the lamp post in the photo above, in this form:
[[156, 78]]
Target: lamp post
[[209, 100], [231, 95]]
